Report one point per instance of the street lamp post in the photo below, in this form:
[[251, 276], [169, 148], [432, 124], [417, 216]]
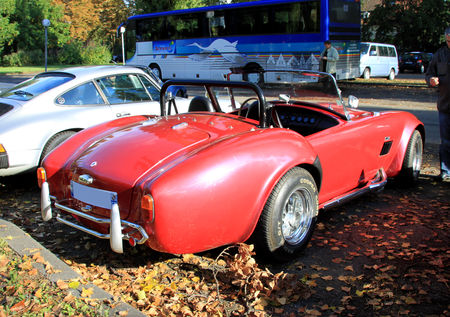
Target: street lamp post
[[46, 24], [122, 31]]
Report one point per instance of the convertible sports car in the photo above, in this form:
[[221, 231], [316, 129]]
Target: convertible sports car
[[263, 169]]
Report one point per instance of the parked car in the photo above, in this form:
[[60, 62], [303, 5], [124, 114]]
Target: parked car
[[262, 170], [415, 61], [378, 60], [40, 113]]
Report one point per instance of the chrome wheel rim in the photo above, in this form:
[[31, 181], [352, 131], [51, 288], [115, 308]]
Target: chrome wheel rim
[[297, 216], [417, 156]]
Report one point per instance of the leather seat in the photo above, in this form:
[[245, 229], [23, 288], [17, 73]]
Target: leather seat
[[200, 103]]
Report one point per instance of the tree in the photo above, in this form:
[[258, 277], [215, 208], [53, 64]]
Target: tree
[[8, 30], [28, 17], [409, 24], [82, 17]]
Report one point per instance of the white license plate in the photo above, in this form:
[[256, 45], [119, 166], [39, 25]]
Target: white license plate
[[93, 196]]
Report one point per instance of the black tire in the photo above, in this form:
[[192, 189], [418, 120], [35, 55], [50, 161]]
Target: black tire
[[366, 73], [254, 67], [412, 161], [54, 141], [391, 75], [289, 217], [156, 70]]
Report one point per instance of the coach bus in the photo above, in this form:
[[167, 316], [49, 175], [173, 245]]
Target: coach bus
[[267, 34]]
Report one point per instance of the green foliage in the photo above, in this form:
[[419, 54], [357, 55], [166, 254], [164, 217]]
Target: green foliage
[[24, 58], [95, 54], [408, 24], [71, 53], [8, 30], [29, 16], [76, 52]]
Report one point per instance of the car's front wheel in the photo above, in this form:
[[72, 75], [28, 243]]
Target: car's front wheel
[[289, 216]]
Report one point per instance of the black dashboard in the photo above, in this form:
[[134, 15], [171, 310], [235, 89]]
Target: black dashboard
[[302, 120]]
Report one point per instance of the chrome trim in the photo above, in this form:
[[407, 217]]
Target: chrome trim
[[85, 179], [116, 225], [124, 224], [377, 183]]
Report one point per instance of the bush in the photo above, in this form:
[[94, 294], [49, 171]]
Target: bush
[[95, 54], [70, 53], [24, 58], [77, 53]]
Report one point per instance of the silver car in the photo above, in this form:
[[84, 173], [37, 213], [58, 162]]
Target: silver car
[[40, 113]]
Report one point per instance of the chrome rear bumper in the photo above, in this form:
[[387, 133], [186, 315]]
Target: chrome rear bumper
[[116, 225]]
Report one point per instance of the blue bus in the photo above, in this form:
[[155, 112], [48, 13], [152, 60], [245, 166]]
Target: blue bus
[[267, 34]]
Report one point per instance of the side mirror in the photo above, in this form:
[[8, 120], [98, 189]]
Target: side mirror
[[353, 102]]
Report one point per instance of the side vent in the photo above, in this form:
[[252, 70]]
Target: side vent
[[4, 108], [386, 148]]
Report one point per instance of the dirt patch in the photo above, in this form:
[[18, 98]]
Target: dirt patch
[[393, 95]]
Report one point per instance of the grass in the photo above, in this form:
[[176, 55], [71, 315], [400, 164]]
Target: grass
[[25, 292], [29, 69]]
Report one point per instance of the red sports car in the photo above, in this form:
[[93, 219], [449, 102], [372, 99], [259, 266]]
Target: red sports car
[[246, 161]]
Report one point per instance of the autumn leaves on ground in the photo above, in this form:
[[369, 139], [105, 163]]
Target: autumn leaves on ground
[[384, 254]]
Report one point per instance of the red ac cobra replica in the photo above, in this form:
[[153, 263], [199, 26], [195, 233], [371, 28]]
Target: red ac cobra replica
[[246, 161]]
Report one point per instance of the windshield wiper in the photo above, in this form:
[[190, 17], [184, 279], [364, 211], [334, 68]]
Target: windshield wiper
[[23, 92]]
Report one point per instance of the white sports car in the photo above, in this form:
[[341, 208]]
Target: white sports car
[[40, 113]]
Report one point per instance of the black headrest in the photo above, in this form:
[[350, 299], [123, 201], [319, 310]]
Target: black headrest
[[200, 103]]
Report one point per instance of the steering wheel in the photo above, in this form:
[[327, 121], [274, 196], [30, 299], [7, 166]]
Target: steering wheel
[[250, 105]]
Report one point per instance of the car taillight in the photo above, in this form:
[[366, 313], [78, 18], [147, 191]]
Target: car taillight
[[148, 205], [419, 61], [41, 176]]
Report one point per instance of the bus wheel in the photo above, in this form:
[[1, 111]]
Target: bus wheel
[[366, 73], [253, 73], [156, 70]]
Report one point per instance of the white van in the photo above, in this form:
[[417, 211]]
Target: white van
[[378, 60]]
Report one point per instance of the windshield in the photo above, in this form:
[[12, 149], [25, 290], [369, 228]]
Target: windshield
[[37, 85], [364, 49], [253, 100]]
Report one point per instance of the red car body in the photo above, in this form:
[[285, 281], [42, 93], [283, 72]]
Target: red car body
[[210, 175]]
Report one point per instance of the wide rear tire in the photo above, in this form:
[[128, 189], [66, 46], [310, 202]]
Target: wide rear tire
[[289, 217]]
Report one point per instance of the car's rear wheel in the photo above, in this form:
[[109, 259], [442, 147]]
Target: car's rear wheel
[[391, 74], [54, 141], [366, 73], [289, 216], [413, 160]]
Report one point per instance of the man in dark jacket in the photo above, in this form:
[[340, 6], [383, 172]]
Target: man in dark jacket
[[438, 75]]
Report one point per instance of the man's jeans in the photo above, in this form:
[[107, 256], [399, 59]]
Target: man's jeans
[[444, 150]]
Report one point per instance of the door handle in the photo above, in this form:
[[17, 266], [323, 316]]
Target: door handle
[[122, 114]]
